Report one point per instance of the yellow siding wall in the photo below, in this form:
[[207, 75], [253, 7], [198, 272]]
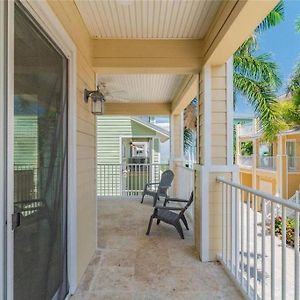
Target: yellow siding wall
[[219, 115], [246, 179], [293, 184], [67, 13]]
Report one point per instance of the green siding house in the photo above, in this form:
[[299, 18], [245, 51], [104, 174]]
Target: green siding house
[[126, 147]]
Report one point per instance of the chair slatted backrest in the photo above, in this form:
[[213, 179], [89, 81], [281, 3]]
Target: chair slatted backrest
[[190, 201], [165, 182]]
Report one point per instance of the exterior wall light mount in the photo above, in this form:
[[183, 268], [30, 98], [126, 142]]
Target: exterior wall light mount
[[97, 100]]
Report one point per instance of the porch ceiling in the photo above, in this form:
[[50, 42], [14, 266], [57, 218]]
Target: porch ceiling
[[135, 19], [142, 88]]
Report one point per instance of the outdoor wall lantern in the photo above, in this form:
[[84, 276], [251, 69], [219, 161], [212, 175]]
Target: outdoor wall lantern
[[97, 100]]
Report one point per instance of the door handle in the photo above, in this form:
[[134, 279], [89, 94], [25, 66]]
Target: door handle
[[15, 220]]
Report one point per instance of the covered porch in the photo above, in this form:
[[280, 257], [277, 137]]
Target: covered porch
[[159, 55]]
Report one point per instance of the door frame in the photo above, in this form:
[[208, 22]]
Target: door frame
[[47, 20], [3, 91]]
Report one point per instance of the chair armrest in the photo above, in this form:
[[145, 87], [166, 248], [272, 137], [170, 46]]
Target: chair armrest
[[168, 208], [165, 186], [176, 200]]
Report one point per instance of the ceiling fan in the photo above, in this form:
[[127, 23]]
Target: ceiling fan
[[112, 95]]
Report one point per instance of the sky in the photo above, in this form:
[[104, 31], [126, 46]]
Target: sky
[[284, 43]]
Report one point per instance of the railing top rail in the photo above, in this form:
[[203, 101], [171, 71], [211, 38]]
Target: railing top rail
[[263, 195], [131, 164]]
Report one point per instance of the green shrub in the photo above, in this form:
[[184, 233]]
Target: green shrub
[[290, 229]]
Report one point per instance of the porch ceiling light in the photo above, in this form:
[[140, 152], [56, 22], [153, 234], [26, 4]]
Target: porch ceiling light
[[97, 100]]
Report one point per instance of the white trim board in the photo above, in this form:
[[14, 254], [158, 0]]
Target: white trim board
[[229, 101], [3, 29], [45, 17], [10, 150]]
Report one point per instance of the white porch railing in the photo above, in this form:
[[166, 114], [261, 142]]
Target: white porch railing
[[294, 163], [262, 257], [126, 179], [266, 162], [289, 212], [245, 160]]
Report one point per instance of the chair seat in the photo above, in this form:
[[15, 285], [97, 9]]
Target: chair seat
[[149, 192], [167, 216]]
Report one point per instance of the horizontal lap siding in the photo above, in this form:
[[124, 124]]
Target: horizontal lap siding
[[219, 115], [68, 14]]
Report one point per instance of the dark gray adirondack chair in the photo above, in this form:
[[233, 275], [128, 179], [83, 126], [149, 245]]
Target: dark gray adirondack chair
[[166, 214], [162, 187]]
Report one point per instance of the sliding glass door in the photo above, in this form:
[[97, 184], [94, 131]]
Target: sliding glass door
[[40, 163]]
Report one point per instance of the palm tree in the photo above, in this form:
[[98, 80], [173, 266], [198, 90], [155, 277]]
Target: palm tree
[[256, 76], [293, 87]]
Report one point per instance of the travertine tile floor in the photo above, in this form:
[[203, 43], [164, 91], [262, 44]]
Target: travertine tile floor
[[130, 265]]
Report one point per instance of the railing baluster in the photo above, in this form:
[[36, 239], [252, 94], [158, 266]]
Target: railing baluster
[[236, 234], [248, 243], [255, 245], [231, 207], [223, 222], [272, 251], [263, 251], [242, 238], [296, 249], [283, 259], [226, 237]]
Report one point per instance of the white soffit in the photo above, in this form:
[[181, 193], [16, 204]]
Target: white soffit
[[148, 19], [142, 88]]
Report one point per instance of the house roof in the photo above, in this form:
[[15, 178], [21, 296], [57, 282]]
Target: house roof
[[163, 134], [295, 130]]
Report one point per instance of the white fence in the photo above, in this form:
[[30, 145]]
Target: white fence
[[126, 179], [262, 257]]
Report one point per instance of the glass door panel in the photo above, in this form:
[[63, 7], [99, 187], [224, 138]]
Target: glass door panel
[[40, 163]]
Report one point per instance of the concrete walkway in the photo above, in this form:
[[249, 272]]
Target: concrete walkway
[[130, 265]]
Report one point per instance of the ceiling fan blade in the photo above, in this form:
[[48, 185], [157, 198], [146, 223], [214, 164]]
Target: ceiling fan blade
[[112, 98]]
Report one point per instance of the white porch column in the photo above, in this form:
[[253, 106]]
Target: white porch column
[[215, 156], [177, 128], [176, 155]]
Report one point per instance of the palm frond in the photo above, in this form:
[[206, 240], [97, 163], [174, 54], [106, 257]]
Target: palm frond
[[294, 82], [190, 115], [297, 24], [273, 18], [260, 96], [259, 67], [188, 139]]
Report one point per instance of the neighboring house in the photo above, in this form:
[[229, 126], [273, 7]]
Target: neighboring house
[[131, 144], [270, 167]]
